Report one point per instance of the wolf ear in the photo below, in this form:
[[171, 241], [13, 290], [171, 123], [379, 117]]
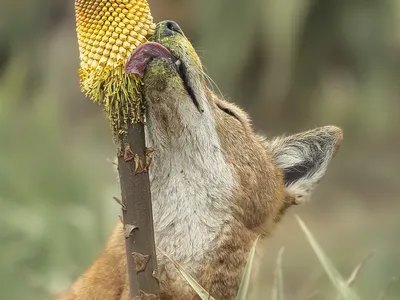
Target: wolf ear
[[304, 158]]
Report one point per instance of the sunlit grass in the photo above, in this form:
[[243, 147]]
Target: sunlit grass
[[336, 278], [277, 290], [202, 292], [244, 285]]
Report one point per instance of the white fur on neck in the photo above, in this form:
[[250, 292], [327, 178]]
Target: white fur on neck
[[191, 186]]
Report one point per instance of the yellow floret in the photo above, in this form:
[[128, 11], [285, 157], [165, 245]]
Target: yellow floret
[[108, 32]]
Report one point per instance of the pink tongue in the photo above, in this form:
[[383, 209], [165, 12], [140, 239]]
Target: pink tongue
[[137, 63]]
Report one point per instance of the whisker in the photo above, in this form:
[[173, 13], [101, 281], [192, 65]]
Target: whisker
[[213, 84]]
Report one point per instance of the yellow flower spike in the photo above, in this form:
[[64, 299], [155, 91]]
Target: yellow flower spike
[[108, 32]]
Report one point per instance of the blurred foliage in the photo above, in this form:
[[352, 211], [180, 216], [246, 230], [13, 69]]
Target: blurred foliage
[[293, 64]]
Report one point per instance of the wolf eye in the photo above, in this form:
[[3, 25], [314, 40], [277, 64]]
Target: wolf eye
[[228, 111]]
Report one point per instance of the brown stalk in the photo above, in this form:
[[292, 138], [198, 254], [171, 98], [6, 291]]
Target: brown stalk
[[137, 215]]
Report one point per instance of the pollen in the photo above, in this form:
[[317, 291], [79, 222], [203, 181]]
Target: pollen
[[108, 33]]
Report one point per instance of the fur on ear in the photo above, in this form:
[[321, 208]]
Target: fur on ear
[[304, 158]]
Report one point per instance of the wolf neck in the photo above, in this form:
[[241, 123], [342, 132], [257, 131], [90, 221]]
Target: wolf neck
[[191, 186]]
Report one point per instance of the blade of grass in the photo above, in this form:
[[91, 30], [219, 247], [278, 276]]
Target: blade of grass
[[203, 294], [337, 280], [244, 285], [384, 291], [277, 291], [357, 270]]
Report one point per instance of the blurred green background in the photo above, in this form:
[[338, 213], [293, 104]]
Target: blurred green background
[[292, 64]]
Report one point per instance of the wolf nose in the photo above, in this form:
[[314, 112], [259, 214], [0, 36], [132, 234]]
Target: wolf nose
[[171, 28]]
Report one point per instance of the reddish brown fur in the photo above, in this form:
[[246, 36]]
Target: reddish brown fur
[[260, 200]]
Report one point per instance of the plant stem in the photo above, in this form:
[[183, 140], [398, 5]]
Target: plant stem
[[137, 214]]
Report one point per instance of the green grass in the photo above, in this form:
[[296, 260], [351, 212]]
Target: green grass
[[277, 290], [244, 285], [341, 286]]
